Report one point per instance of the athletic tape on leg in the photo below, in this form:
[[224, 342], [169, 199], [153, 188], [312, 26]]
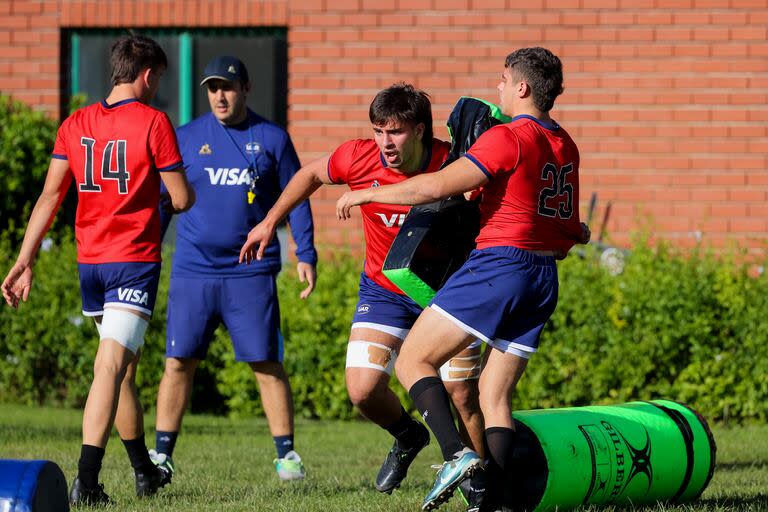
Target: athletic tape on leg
[[366, 354], [124, 327], [461, 368]]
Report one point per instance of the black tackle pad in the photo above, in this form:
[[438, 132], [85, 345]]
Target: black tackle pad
[[436, 239]]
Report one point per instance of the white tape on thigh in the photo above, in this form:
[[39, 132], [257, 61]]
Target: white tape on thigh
[[461, 368], [366, 354], [124, 327]]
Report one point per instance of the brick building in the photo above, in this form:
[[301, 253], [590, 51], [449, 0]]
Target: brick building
[[667, 99]]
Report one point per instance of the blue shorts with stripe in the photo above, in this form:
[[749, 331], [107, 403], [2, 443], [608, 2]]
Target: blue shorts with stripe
[[247, 306], [131, 285], [502, 295], [384, 310]]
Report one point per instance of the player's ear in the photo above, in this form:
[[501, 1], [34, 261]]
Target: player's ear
[[246, 86], [145, 76], [419, 130], [523, 89]]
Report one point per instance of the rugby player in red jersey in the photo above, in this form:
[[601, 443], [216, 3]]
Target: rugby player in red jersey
[[506, 291], [117, 151], [402, 147]]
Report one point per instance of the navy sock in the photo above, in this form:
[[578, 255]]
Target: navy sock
[[431, 400], [283, 444], [137, 453], [500, 442], [89, 465], [499, 447], [405, 429], [165, 442]]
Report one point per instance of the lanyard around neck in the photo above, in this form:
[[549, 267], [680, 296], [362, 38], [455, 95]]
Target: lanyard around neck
[[252, 160], [253, 171]]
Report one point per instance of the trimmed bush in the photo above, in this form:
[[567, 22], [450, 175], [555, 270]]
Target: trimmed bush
[[688, 328], [26, 142]]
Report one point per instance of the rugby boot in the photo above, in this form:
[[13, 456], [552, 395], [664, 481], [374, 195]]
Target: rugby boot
[[473, 491], [161, 459], [450, 474], [395, 466], [148, 482], [80, 495], [290, 467]]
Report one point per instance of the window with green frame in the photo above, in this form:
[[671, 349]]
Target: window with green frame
[[263, 50]]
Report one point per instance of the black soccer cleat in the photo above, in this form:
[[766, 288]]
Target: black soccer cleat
[[80, 495], [395, 466], [147, 483], [473, 492]]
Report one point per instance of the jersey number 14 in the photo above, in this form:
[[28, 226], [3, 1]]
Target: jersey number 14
[[121, 175]]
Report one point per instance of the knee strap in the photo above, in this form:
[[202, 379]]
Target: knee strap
[[124, 327], [366, 354], [461, 368]]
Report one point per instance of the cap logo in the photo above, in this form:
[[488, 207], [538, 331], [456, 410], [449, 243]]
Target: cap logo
[[232, 69]]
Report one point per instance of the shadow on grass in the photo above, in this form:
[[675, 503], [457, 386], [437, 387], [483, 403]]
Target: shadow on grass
[[32, 431], [202, 429], [735, 466], [278, 491]]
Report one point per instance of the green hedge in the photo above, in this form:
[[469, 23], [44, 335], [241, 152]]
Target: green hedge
[[688, 328], [26, 142]]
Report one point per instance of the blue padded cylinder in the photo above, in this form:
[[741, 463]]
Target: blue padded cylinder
[[32, 486]]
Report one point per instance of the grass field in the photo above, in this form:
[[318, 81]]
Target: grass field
[[225, 465]]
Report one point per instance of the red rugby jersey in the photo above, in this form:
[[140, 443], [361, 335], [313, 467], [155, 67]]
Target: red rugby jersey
[[115, 153], [359, 164], [532, 199]]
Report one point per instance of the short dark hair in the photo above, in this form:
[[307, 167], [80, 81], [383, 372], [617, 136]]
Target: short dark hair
[[131, 55], [402, 102], [542, 70]]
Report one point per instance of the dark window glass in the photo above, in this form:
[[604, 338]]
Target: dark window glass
[[264, 52], [265, 58]]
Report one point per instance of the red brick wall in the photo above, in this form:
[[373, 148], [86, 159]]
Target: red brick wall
[[667, 100]]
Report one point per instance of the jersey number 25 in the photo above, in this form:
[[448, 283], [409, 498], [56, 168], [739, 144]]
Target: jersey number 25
[[559, 188], [121, 175]]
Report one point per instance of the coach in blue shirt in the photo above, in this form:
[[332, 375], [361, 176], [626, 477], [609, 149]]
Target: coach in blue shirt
[[238, 163]]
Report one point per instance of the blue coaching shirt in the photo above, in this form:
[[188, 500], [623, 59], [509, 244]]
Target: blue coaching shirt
[[217, 160]]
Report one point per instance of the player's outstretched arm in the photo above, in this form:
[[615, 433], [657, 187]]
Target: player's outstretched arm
[[18, 282], [308, 179], [181, 193], [461, 176]]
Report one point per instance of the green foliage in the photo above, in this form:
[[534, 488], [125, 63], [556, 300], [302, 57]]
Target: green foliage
[[315, 333], [688, 328], [26, 142], [47, 346]]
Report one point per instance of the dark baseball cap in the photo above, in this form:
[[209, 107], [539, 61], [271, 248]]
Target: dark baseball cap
[[227, 68]]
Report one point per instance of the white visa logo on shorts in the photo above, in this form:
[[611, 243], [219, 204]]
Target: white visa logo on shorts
[[390, 221], [131, 295], [226, 176]]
